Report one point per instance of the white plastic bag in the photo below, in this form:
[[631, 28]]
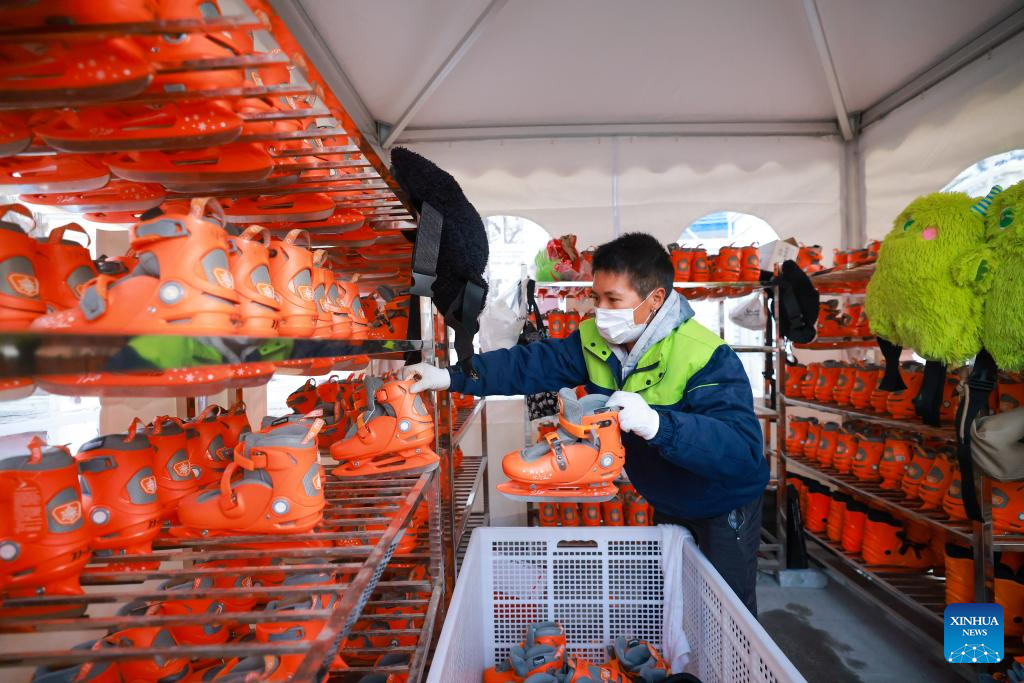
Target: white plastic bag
[[750, 313], [502, 319]]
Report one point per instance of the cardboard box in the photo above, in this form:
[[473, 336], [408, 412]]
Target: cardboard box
[[774, 253]]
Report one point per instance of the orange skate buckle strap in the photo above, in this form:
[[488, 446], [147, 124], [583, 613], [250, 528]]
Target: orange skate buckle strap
[[557, 449], [254, 460], [577, 430]]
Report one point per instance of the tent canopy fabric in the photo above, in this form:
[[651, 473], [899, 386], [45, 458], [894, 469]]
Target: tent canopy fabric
[[571, 62]]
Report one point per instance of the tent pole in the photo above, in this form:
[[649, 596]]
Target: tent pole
[[827, 65], [851, 196], [453, 58], [996, 34]]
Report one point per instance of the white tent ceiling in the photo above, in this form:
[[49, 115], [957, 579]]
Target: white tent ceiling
[[608, 61], [466, 79]]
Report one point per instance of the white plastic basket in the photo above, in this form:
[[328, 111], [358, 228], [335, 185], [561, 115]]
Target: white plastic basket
[[600, 583]]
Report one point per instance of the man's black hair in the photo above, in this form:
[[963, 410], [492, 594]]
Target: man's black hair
[[641, 257]]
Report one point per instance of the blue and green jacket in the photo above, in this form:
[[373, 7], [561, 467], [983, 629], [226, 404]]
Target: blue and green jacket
[[708, 455]]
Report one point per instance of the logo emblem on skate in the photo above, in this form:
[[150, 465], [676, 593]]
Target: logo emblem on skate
[[224, 278], [182, 469], [973, 633], [316, 482], [26, 285], [148, 484], [266, 290], [68, 513], [306, 292]]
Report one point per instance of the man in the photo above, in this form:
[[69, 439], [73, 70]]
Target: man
[[694, 448]]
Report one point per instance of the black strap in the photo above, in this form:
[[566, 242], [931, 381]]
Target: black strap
[[426, 250], [532, 307], [463, 317], [892, 380], [979, 386], [928, 402]]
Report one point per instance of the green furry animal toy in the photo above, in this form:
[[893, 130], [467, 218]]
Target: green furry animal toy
[[996, 271], [913, 299]]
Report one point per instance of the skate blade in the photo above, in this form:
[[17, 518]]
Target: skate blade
[[15, 98], [197, 180], [107, 145], [9, 149], [111, 206], [563, 494], [376, 472], [272, 217], [56, 186], [206, 188]]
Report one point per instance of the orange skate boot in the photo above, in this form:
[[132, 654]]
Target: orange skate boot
[[611, 512], [249, 258], [920, 464], [953, 500], [865, 461], [394, 434], [65, 265], [794, 379], [1008, 507], [864, 383], [568, 514], [844, 385], [44, 541], [810, 380], [854, 519], [828, 441], [578, 463], [280, 489], [900, 404], [959, 574], [182, 284], [547, 514], [896, 456], [810, 446], [174, 476], [728, 266], [932, 488], [305, 398], [119, 495], [887, 543], [207, 451], [235, 423], [20, 301], [819, 500], [590, 514], [847, 443], [836, 513], [796, 434], [682, 260], [751, 264], [291, 271], [828, 378]]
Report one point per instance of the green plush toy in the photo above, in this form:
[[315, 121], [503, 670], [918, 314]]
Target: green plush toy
[[996, 272], [914, 298]]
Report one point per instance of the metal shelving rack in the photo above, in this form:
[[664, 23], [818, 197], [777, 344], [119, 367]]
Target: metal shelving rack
[[770, 410], [922, 593], [364, 536]]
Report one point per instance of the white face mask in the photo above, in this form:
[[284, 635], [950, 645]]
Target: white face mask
[[616, 325]]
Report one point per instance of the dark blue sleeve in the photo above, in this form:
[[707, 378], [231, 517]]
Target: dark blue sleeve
[[545, 365], [714, 432]]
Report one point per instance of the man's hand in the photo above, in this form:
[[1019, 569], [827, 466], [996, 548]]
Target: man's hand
[[635, 415], [429, 377]]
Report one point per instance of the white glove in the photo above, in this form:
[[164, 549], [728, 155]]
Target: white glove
[[635, 415], [430, 377]]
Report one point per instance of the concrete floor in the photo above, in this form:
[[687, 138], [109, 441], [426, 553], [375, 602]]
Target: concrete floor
[[831, 634]]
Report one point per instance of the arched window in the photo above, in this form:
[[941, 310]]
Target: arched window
[[723, 228], [513, 242], [714, 231], [999, 169]]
